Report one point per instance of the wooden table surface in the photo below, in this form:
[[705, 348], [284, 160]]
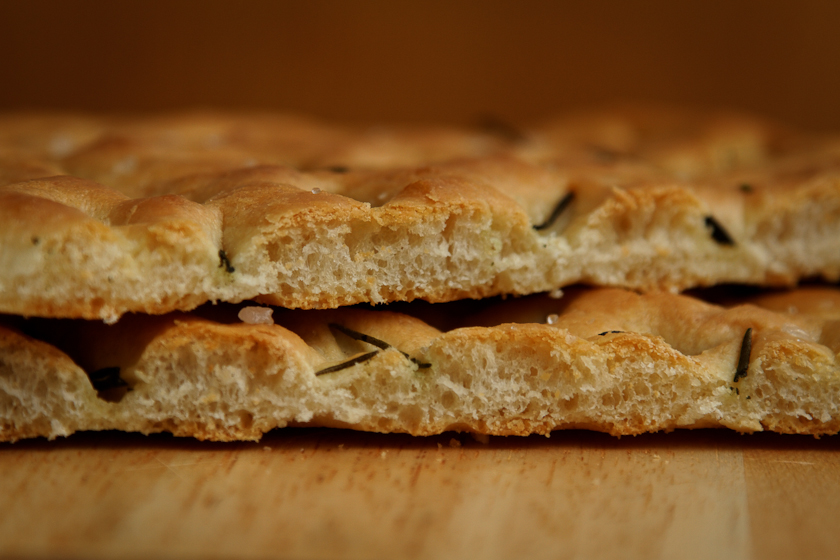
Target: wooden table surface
[[320, 493]]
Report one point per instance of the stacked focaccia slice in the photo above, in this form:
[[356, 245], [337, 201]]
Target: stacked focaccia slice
[[142, 222], [605, 359]]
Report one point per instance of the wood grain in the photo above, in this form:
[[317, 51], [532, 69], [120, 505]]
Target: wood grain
[[335, 494]]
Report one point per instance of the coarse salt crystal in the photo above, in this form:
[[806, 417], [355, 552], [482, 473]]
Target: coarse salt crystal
[[552, 319], [256, 315], [797, 332]]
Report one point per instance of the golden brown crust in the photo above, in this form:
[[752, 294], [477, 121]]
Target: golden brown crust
[[607, 360], [172, 211]]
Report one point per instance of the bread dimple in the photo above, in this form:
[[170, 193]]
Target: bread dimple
[[386, 147], [524, 366], [94, 199], [49, 135], [18, 168], [72, 248], [687, 144], [131, 167], [201, 187]]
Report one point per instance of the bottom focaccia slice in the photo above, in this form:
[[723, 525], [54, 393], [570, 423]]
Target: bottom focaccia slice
[[606, 360]]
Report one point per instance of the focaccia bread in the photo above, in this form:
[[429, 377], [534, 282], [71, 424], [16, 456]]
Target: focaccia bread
[[100, 217], [600, 359]]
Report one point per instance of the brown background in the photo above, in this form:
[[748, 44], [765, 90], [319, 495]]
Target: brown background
[[432, 60]]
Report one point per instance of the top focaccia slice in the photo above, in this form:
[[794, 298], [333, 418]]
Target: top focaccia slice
[[153, 216]]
